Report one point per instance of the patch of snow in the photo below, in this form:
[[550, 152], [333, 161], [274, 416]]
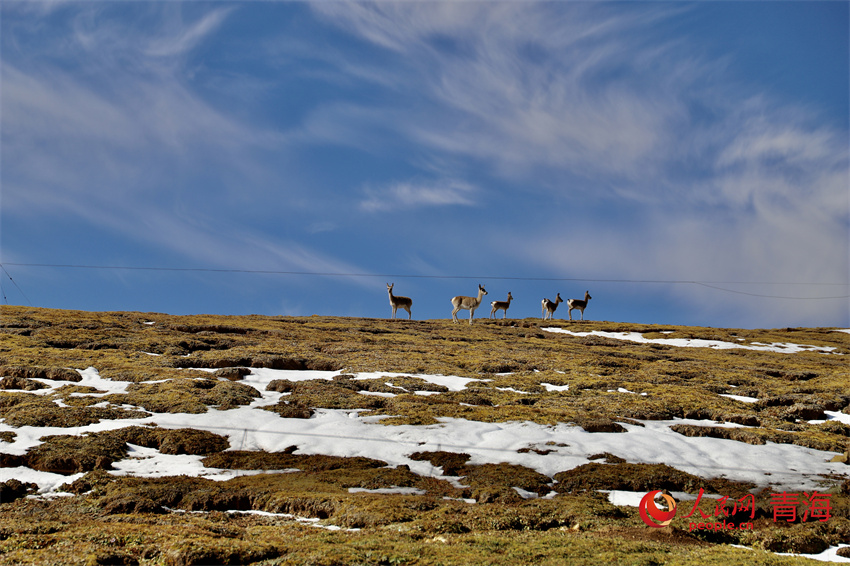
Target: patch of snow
[[51, 495], [784, 348], [350, 433], [451, 382], [389, 490], [834, 415], [456, 481], [89, 378], [512, 390], [632, 498], [470, 501], [525, 494], [47, 482], [260, 377], [262, 514], [266, 375], [377, 393], [550, 387], [311, 521], [151, 463], [741, 398], [828, 555], [624, 390]]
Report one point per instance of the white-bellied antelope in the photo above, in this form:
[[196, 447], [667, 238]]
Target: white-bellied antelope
[[500, 305], [578, 304], [550, 306], [470, 303], [399, 302]]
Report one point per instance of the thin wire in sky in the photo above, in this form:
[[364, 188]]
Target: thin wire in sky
[[708, 284], [15, 284]]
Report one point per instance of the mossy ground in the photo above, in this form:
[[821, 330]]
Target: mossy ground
[[124, 520]]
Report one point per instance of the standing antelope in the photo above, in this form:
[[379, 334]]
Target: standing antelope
[[500, 305], [470, 303], [578, 304], [550, 306], [399, 302]]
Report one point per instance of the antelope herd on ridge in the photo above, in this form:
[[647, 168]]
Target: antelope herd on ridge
[[462, 302]]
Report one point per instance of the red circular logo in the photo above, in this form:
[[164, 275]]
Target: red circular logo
[[652, 515]]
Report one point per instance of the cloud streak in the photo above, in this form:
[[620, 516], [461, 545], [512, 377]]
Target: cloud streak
[[123, 144], [612, 141], [722, 181], [409, 195], [525, 86], [187, 38]]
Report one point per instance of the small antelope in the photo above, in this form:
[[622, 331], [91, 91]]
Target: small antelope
[[578, 304], [470, 303], [399, 302], [550, 306], [500, 305]]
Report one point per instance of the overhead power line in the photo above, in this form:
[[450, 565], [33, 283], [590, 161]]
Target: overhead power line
[[704, 284], [708, 284], [15, 284]]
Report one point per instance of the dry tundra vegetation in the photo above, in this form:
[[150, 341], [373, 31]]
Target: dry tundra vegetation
[[125, 520]]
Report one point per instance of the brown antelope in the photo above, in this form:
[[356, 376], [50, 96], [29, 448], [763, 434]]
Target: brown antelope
[[399, 302], [500, 305], [578, 304], [550, 306], [470, 303]]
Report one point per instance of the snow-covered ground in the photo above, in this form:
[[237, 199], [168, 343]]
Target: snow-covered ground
[[780, 347], [350, 433]]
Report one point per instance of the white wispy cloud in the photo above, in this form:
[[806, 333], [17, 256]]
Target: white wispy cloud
[[186, 38], [524, 85], [687, 173], [407, 195], [757, 193], [67, 137], [127, 145]]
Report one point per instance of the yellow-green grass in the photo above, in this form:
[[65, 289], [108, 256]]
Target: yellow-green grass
[[122, 520]]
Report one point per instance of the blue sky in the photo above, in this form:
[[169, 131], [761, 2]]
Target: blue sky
[[627, 149]]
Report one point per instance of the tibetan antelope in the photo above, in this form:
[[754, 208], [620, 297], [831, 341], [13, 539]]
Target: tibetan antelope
[[550, 306], [578, 304], [470, 303], [399, 302], [500, 305]]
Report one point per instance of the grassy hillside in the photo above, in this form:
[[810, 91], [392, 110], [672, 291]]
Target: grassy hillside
[[187, 520]]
